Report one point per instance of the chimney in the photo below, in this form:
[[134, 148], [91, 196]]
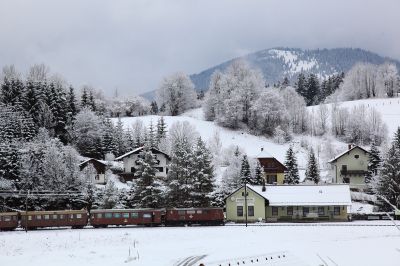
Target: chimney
[[263, 189], [349, 146], [262, 149]]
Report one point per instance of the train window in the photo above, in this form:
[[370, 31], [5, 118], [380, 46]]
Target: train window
[[61, 216], [71, 216], [46, 217], [181, 212], [146, 215], [38, 217], [79, 216], [135, 215], [190, 212], [30, 217], [7, 218], [199, 211], [55, 216], [125, 215], [99, 215], [117, 215], [108, 215]]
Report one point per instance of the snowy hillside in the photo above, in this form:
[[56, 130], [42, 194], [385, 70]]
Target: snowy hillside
[[389, 108]]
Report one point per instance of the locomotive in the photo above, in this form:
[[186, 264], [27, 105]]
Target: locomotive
[[106, 217]]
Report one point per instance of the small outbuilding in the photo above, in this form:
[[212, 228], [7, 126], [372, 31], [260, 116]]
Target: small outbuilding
[[99, 166], [289, 203]]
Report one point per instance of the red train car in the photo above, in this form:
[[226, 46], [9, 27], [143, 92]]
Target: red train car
[[149, 217], [203, 216], [8, 221], [69, 218]]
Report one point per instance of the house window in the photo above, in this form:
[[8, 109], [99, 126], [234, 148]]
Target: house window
[[247, 194], [336, 210], [271, 179], [356, 156], [160, 169], [239, 211], [250, 210], [274, 211], [344, 168], [289, 211], [133, 170], [306, 211], [346, 180], [321, 211], [97, 177], [166, 170]]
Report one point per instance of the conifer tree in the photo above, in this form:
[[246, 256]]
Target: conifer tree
[[91, 102], [312, 89], [245, 173], [202, 175], [120, 139], [84, 98], [312, 171], [161, 129], [109, 144], [301, 87], [151, 136], [258, 178], [292, 170], [374, 162], [9, 162], [72, 108], [153, 108], [180, 183], [147, 191]]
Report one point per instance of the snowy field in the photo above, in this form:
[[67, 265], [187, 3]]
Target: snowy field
[[309, 244]]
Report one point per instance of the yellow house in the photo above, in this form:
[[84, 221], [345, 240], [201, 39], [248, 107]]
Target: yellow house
[[275, 203], [274, 170], [350, 167]]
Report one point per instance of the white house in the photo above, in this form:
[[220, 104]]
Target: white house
[[130, 161]]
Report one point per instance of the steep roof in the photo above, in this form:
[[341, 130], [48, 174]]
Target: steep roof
[[92, 159], [137, 150], [264, 154], [344, 153], [304, 195]]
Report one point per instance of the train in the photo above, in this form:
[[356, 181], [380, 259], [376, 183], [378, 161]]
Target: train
[[101, 218]]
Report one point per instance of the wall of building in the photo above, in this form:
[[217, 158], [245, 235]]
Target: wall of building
[[352, 164], [298, 213], [130, 160], [237, 199]]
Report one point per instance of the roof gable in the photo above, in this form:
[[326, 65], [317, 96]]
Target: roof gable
[[137, 150], [348, 151], [92, 160]]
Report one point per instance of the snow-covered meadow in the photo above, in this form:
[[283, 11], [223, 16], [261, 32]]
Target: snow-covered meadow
[[302, 244]]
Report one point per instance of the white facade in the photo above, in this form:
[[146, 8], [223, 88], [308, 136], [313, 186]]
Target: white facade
[[130, 160]]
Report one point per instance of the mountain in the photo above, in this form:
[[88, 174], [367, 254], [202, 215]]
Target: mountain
[[277, 63]]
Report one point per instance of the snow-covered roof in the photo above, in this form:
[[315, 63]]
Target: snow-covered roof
[[264, 154], [305, 195], [349, 150], [137, 150], [92, 159]]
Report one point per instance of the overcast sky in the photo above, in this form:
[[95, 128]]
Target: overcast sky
[[131, 45]]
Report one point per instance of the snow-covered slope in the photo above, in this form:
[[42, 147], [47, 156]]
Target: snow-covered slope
[[389, 108]]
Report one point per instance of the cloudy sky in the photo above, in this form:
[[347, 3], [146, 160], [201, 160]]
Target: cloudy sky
[[132, 44]]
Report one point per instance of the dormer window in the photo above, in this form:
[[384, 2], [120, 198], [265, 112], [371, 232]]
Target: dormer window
[[356, 156]]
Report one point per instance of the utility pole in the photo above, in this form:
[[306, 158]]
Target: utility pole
[[245, 198], [26, 212]]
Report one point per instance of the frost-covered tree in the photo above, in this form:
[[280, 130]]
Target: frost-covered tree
[[296, 109], [245, 172], [292, 169], [213, 99], [231, 176], [374, 162], [87, 132], [9, 162], [110, 196], [258, 178], [202, 175], [387, 79], [177, 94], [312, 171], [148, 188]]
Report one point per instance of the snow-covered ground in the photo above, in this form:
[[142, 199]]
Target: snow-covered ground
[[309, 244]]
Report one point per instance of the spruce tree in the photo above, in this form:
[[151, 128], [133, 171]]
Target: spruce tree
[[374, 162], [151, 136], [245, 173], [312, 171], [84, 99], [91, 102], [301, 87], [202, 175], [292, 170], [312, 89], [154, 108], [388, 183], [161, 129], [180, 183], [258, 178], [108, 141], [72, 108], [147, 186]]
